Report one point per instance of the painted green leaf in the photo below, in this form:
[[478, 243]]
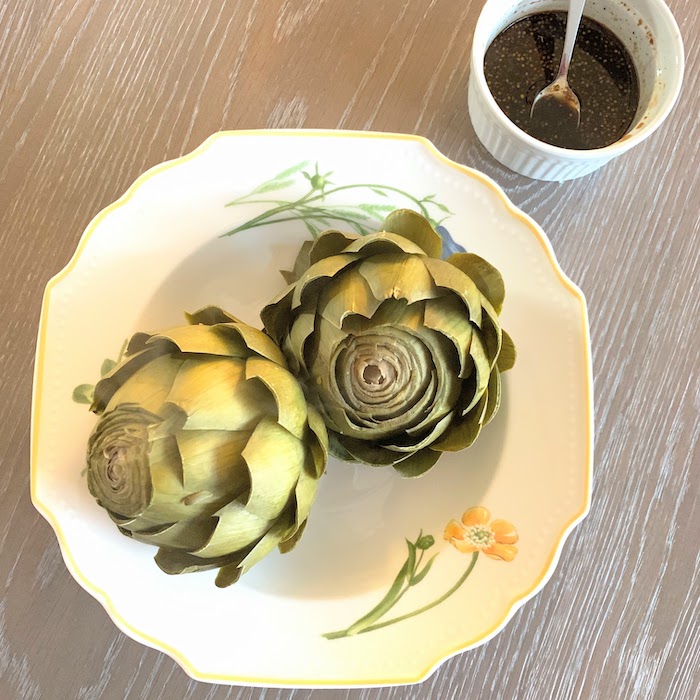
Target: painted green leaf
[[377, 209], [273, 186], [347, 211], [411, 562], [107, 366], [84, 393], [291, 171], [424, 571]]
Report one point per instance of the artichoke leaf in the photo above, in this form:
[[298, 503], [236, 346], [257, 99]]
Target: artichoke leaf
[[464, 430], [449, 277], [135, 525], [210, 316], [286, 391], [276, 315], [301, 264], [176, 561], [446, 362], [446, 316], [228, 575], [256, 341], [491, 333], [330, 243], [202, 340], [169, 501], [148, 386], [484, 275], [366, 451], [384, 242], [280, 531], [137, 343], [416, 228], [288, 276], [323, 344], [119, 375], [288, 545], [294, 344], [508, 354], [347, 295], [202, 389], [187, 535], [318, 446], [417, 464], [482, 368], [304, 495], [272, 479], [494, 396], [328, 267], [431, 430], [399, 276], [335, 447], [235, 528], [211, 461], [398, 312]]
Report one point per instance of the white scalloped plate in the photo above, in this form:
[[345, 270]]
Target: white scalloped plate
[[159, 251]]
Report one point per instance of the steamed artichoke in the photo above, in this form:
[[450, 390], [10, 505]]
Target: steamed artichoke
[[206, 446], [400, 351]]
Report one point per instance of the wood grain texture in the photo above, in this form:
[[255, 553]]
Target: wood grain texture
[[93, 92]]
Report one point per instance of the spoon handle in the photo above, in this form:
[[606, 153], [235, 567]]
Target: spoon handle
[[573, 19]]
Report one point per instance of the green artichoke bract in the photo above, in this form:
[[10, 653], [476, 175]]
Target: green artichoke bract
[[206, 446], [399, 350]]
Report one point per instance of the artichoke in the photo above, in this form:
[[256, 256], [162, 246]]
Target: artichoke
[[206, 447], [400, 351]]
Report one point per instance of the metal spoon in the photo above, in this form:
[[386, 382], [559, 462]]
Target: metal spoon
[[559, 90]]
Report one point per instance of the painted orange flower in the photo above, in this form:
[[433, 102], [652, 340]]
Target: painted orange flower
[[475, 534]]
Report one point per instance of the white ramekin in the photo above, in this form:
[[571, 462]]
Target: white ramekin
[[648, 31]]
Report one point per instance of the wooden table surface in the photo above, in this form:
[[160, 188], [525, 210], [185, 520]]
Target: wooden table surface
[[94, 92]]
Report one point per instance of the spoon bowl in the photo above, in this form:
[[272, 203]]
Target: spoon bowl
[[557, 101]]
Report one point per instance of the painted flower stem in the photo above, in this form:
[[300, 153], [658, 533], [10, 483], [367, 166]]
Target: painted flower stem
[[317, 215], [403, 581], [263, 218], [303, 202], [388, 188], [390, 599], [365, 624]]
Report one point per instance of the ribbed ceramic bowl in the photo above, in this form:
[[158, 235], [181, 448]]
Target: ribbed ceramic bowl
[[648, 31]]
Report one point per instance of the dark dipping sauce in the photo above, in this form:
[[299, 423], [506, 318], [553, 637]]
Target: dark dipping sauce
[[524, 58]]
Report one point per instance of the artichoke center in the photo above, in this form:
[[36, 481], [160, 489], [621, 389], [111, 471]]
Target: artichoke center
[[378, 377], [118, 460], [374, 372], [373, 375], [116, 465]]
